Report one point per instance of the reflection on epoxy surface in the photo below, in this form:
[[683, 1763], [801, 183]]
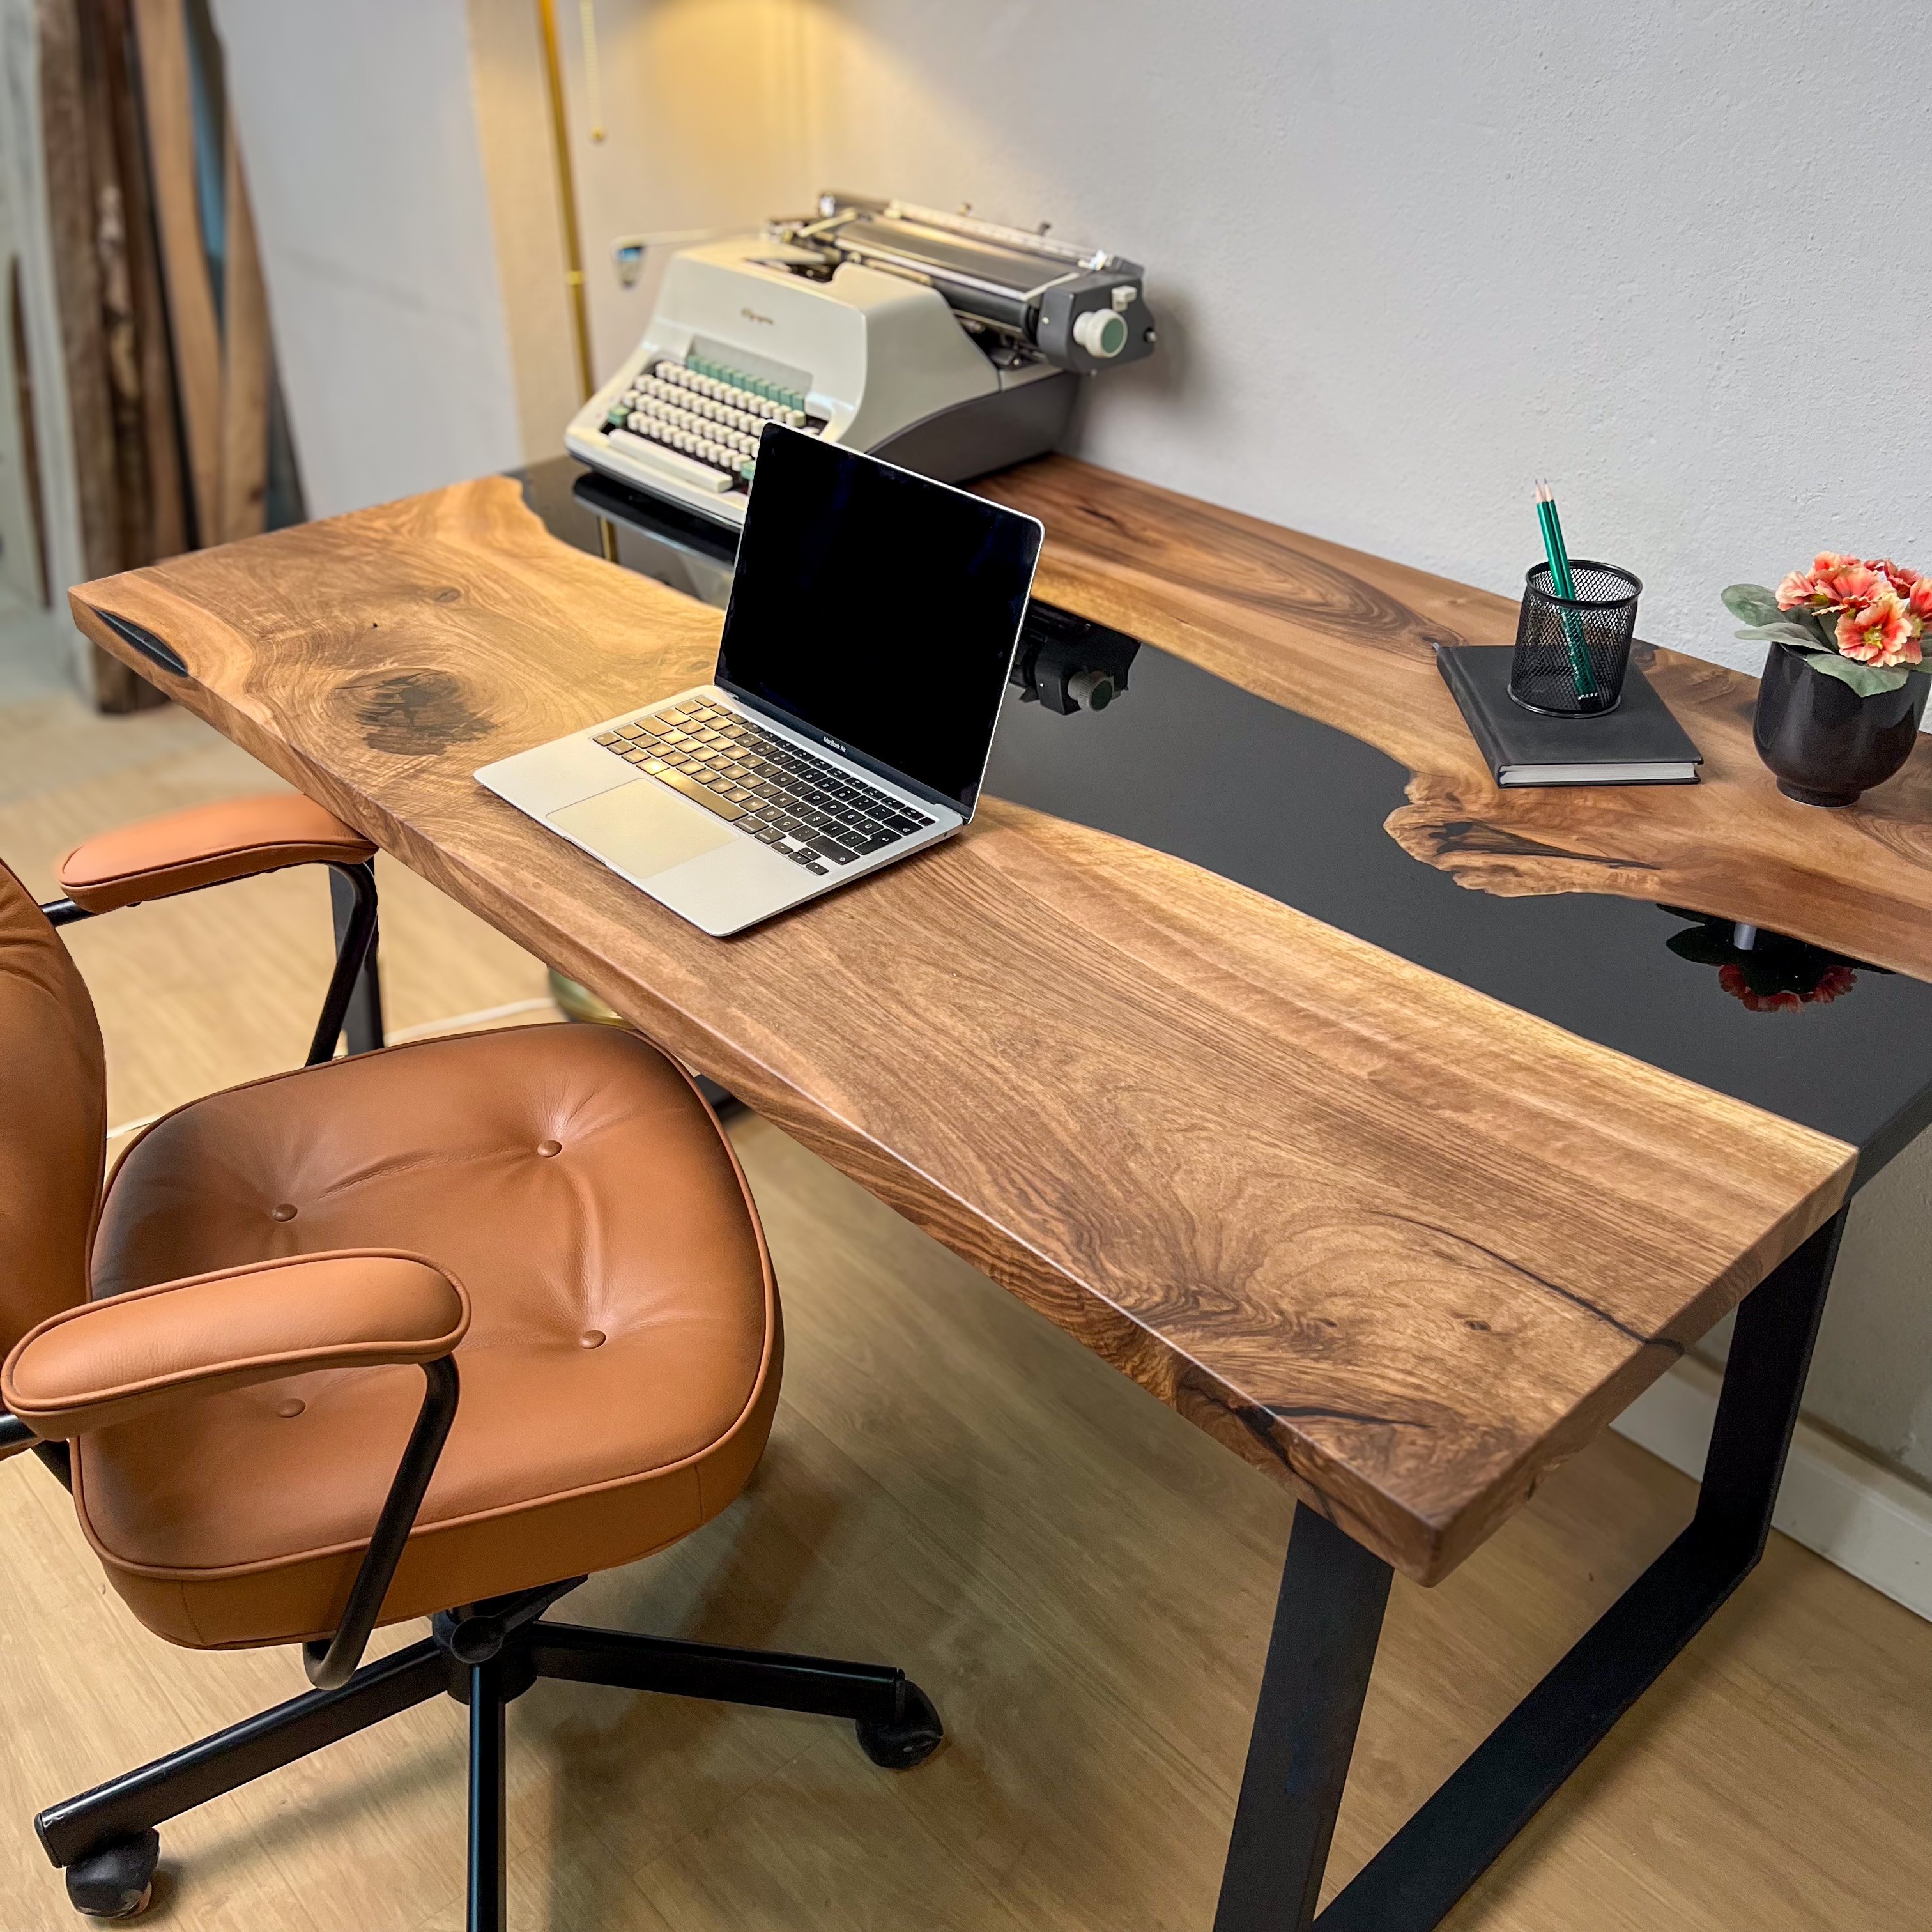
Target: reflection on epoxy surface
[[1195, 767]]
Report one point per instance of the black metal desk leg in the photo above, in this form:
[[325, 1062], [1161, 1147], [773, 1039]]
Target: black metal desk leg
[[363, 1024], [1765, 1375], [1327, 1622], [1410, 1885]]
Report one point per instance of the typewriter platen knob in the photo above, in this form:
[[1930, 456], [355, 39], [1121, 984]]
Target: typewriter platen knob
[[1094, 689], [1101, 332], [1065, 664]]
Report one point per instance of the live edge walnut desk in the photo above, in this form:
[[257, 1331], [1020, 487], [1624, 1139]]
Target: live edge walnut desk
[[1366, 1117]]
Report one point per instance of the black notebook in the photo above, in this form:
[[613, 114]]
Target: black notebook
[[1638, 743]]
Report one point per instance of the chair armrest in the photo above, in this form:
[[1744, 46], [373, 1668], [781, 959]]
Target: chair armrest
[[206, 846], [111, 1361]]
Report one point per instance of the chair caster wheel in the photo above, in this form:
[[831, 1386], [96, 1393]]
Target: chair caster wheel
[[911, 1741], [118, 1880]]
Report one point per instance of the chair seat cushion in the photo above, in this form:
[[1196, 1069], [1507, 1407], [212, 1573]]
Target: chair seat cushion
[[618, 1378]]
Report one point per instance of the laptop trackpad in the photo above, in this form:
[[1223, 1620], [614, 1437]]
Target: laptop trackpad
[[641, 828]]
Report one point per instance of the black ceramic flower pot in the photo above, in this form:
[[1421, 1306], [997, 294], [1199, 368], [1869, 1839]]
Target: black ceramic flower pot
[[1824, 742]]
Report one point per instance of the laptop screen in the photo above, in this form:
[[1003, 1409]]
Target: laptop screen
[[877, 611]]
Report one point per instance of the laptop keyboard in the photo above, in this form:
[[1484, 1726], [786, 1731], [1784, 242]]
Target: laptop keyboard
[[804, 808]]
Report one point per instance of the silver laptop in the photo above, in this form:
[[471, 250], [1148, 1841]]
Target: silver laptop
[[873, 621]]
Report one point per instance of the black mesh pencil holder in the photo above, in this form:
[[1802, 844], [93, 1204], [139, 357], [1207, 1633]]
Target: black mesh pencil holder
[[1570, 653]]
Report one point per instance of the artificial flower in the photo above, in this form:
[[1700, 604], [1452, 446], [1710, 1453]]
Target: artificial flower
[[1878, 630], [1795, 589], [1817, 588], [1850, 582], [1834, 577]]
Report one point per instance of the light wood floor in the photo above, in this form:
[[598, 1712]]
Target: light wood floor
[[1082, 1581]]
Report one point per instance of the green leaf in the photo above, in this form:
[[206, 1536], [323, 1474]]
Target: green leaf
[[1866, 679], [1805, 639], [1752, 604]]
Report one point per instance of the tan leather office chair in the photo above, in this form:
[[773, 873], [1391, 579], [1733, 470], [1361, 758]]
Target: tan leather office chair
[[435, 1330]]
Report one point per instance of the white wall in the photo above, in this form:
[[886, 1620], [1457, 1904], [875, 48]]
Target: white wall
[[358, 121], [1872, 1378], [1405, 257]]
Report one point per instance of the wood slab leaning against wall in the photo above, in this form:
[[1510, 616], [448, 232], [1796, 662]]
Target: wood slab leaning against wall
[[168, 394]]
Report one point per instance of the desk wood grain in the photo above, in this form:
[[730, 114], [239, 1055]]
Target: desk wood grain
[[1345, 637], [1403, 1247]]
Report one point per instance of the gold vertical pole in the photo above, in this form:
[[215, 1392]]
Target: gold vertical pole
[[576, 1002], [566, 195], [573, 247]]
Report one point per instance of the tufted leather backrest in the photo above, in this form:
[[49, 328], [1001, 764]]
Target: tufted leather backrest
[[53, 1119]]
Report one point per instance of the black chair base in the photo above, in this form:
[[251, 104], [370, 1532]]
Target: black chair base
[[485, 1655]]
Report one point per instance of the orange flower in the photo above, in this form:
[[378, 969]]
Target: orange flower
[[1835, 578], [1849, 581], [1795, 589], [1879, 630], [1883, 609]]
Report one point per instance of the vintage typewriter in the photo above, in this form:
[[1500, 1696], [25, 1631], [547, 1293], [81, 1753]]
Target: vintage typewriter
[[949, 345]]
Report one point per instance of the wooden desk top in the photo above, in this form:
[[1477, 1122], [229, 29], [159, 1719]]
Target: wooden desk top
[[1267, 608], [1402, 1246]]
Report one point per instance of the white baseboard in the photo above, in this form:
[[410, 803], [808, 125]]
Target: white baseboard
[[1852, 1510]]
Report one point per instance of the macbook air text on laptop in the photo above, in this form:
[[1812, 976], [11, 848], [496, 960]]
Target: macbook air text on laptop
[[873, 621]]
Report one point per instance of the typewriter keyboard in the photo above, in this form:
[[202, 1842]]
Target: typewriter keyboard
[[806, 809], [710, 415]]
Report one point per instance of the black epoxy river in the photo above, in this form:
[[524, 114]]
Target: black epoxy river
[[1199, 768]]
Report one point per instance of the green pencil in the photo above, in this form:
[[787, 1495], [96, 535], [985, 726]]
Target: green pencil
[[1553, 548], [1557, 556]]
